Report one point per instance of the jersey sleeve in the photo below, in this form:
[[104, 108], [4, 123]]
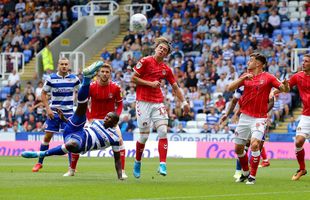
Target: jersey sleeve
[[118, 94], [141, 66], [91, 89], [274, 81], [170, 77], [77, 84], [47, 85], [293, 80]]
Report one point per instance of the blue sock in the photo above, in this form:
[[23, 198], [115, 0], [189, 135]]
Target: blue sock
[[86, 81], [55, 151], [43, 147], [238, 166], [83, 93]]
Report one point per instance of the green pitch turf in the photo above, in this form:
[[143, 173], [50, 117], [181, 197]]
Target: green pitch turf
[[187, 179]]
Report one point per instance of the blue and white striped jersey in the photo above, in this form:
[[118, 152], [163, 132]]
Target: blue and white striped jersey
[[62, 91], [99, 137], [238, 92], [212, 119]]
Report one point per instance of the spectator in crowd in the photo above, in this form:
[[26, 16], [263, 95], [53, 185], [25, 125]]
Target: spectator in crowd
[[205, 128], [292, 125]]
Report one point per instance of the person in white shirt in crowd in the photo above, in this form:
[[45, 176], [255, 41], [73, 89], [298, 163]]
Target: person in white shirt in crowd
[[14, 81]]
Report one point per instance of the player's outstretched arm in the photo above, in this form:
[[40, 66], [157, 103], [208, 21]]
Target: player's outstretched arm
[[284, 87], [230, 109], [118, 167], [180, 96], [270, 103]]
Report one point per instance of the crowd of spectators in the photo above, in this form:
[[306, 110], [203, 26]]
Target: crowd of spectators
[[212, 42], [27, 25]]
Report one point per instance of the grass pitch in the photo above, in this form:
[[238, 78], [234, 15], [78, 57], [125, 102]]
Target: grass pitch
[[187, 179]]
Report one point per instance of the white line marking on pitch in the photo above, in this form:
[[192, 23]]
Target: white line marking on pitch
[[222, 195]]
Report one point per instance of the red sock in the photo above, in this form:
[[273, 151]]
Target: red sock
[[301, 159], [163, 149], [254, 165], [244, 162], [123, 153], [263, 154], [74, 159], [139, 150]]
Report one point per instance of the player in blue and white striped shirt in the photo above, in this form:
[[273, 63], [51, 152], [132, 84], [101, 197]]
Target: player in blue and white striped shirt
[[77, 139], [61, 86]]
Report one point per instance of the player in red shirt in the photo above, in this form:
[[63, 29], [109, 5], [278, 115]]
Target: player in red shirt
[[105, 96], [253, 107], [148, 74], [302, 81]]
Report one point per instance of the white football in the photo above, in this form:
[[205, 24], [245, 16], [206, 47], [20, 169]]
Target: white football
[[138, 22]]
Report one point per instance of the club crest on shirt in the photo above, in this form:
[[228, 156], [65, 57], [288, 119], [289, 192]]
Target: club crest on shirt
[[144, 124], [110, 95], [298, 128], [261, 82], [139, 65], [164, 72]]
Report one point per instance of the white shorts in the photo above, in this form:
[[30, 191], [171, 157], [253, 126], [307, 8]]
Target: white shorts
[[303, 127], [150, 112], [249, 127]]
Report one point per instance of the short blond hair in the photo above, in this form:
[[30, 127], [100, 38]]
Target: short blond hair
[[106, 65], [63, 58], [163, 40]]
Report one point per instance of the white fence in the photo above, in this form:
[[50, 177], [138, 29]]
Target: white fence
[[96, 7]]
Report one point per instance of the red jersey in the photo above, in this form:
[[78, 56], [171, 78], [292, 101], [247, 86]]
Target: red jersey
[[150, 70], [103, 99], [302, 80], [254, 101]]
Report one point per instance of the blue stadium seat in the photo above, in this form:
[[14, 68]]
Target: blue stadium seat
[[240, 60], [208, 42], [6, 90], [295, 24], [277, 32], [286, 24], [286, 38], [183, 123], [198, 105], [287, 31]]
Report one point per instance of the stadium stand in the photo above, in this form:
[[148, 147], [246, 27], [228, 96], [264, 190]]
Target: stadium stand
[[210, 38]]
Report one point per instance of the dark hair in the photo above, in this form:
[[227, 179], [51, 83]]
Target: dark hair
[[259, 57], [114, 117], [307, 55]]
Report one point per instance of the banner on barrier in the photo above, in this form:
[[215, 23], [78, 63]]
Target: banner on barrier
[[37, 136], [176, 149], [198, 137], [274, 150]]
